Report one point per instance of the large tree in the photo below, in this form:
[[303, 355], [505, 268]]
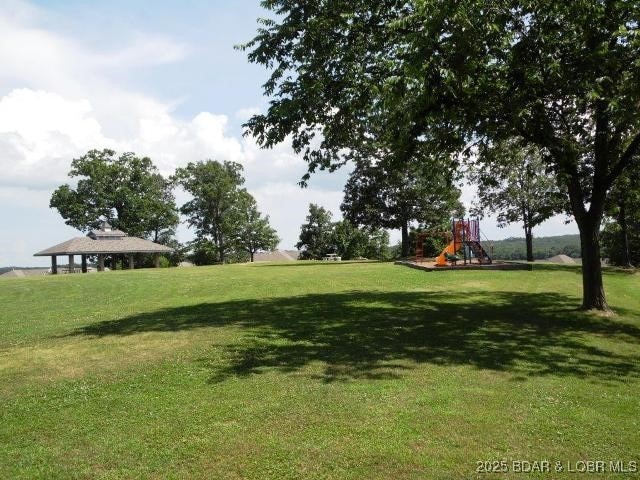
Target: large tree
[[513, 184], [127, 190], [563, 75], [316, 234], [567, 83], [381, 195], [254, 232], [216, 191]]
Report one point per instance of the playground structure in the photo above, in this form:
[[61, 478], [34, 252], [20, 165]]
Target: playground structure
[[464, 245]]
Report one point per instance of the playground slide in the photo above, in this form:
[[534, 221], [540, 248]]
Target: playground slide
[[441, 261]]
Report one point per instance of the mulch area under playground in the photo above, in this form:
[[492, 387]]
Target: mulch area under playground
[[430, 266]]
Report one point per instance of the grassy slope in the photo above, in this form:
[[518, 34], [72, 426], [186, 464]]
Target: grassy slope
[[312, 370]]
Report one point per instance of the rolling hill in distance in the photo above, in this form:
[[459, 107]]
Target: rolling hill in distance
[[514, 248]]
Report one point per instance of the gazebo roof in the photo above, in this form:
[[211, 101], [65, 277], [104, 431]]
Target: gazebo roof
[[89, 246], [104, 241], [106, 232]]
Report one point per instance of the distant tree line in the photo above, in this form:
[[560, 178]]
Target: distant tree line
[[544, 247], [133, 196], [14, 267]]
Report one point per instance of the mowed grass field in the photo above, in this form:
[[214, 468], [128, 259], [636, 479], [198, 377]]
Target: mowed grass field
[[310, 370]]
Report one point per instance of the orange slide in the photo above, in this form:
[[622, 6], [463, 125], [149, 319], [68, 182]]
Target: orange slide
[[441, 261]]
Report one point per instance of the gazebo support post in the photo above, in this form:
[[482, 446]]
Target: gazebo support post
[[156, 260], [54, 265], [84, 264], [72, 266], [101, 262], [131, 263]]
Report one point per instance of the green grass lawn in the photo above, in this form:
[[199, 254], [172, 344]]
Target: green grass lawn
[[307, 370]]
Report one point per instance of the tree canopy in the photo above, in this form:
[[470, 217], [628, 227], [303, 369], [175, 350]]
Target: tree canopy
[[512, 183], [127, 190], [254, 232], [381, 195], [215, 189], [315, 234], [350, 242], [562, 75], [225, 216], [320, 236]]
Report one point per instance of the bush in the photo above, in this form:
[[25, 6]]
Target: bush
[[164, 262]]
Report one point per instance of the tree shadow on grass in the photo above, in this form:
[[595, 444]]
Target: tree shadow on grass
[[380, 334]]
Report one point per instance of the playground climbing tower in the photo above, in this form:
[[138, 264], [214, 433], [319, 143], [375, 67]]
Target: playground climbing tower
[[465, 244]]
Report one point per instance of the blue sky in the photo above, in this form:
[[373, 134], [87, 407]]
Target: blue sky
[[158, 78], [211, 76]]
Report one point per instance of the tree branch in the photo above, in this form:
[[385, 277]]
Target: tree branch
[[602, 156], [625, 159]]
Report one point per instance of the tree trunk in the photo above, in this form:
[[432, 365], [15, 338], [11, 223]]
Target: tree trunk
[[529, 240], [624, 234], [251, 257], [528, 231], [405, 239], [593, 296], [221, 248]]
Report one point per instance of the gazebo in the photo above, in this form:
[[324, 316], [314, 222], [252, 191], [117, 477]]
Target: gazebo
[[102, 242]]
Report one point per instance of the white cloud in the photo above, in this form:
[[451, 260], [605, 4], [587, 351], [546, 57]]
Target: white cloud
[[34, 114], [171, 142], [144, 50], [40, 132], [273, 197], [59, 99], [245, 114], [37, 58]]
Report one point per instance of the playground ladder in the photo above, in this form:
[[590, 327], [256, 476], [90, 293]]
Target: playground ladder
[[478, 251]]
